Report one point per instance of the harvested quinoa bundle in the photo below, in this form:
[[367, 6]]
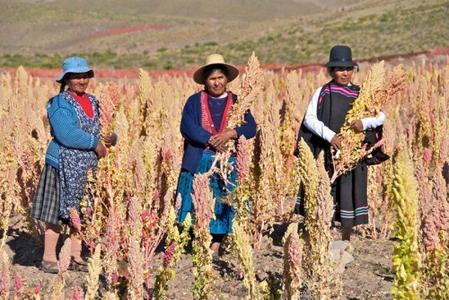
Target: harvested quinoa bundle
[[377, 89]]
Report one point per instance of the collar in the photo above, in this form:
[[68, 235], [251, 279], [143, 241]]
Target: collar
[[224, 95]]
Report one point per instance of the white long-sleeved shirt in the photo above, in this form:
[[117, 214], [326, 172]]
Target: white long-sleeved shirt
[[317, 127]]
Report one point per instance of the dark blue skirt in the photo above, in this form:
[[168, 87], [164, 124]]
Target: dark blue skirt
[[224, 214]]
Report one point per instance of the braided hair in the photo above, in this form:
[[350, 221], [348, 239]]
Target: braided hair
[[63, 85]]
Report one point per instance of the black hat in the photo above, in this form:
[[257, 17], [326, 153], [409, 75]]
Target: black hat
[[340, 56]]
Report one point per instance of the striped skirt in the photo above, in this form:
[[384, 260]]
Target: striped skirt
[[45, 205], [350, 197]]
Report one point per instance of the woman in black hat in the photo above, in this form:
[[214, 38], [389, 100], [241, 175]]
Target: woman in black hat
[[324, 118]]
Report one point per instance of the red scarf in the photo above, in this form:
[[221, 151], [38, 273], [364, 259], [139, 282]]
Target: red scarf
[[84, 101], [206, 118]]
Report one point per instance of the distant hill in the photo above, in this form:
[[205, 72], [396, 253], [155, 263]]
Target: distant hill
[[178, 34], [32, 26]]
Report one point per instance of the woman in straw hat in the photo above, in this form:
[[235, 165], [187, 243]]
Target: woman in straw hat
[[324, 118], [74, 150], [205, 132]]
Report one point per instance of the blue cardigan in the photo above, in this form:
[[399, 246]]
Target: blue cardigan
[[196, 138], [65, 129]]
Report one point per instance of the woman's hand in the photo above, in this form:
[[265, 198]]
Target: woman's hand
[[357, 125], [100, 150], [336, 142], [110, 140], [219, 141]]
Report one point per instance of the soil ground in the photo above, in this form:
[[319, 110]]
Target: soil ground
[[367, 277]]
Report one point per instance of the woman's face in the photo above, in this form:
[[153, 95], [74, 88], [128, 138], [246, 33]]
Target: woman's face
[[216, 83], [78, 82], [342, 75]]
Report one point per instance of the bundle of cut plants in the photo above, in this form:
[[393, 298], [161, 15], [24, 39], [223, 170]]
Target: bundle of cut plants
[[250, 89], [377, 89]]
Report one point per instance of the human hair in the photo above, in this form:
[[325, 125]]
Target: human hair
[[69, 76], [63, 85], [64, 82], [210, 69]]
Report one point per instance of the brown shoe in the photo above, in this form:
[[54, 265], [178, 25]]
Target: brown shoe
[[78, 265], [49, 267]]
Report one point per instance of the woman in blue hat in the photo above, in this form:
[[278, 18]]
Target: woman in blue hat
[[75, 149], [324, 118]]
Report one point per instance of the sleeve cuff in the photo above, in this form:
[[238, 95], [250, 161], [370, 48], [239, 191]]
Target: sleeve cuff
[[364, 123], [373, 122], [94, 142], [239, 132], [328, 135], [207, 138]]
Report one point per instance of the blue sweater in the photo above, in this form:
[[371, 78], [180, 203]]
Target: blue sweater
[[196, 137], [65, 129]]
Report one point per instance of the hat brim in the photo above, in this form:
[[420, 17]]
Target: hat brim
[[332, 64], [89, 72], [232, 71]]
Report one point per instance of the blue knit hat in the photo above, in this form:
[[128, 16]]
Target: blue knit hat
[[75, 64]]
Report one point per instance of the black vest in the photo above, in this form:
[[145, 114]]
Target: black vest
[[334, 102]]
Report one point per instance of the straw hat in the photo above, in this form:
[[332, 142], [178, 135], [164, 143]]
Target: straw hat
[[215, 59]]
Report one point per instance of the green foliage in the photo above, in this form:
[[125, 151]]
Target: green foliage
[[436, 273], [202, 262], [406, 257], [179, 241], [241, 247]]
